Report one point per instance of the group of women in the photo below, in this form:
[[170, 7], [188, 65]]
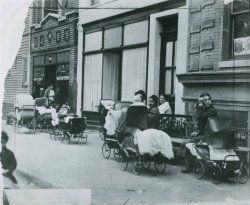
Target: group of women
[[154, 110], [203, 110]]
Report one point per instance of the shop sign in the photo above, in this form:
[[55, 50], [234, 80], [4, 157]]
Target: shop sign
[[62, 77], [38, 79]]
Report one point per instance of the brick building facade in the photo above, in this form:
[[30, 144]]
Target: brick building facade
[[60, 18], [215, 64]]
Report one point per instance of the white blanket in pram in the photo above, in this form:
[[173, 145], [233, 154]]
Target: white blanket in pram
[[215, 154], [113, 120], [152, 141]]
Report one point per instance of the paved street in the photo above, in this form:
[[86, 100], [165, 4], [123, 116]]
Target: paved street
[[46, 163]]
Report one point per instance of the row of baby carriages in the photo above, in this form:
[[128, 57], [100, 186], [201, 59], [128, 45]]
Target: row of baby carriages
[[218, 158], [37, 114], [125, 132]]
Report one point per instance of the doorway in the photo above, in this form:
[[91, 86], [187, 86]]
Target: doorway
[[168, 59], [49, 76]]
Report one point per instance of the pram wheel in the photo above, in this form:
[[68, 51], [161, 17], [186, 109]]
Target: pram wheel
[[146, 165], [66, 138], [137, 166], [106, 151], [83, 138], [243, 175], [216, 174], [122, 158], [199, 170], [116, 154], [160, 167]]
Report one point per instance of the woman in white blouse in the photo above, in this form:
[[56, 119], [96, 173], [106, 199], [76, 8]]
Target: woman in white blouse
[[164, 107]]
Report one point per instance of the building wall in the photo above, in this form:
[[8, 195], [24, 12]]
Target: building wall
[[211, 68], [59, 35], [13, 82]]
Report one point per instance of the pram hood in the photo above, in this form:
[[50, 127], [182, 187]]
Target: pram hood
[[107, 103], [121, 104], [23, 100], [41, 102], [137, 117], [221, 133]]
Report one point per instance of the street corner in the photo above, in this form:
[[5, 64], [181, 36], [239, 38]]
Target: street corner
[[47, 196]]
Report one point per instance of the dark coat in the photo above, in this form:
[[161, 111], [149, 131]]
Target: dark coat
[[153, 118]]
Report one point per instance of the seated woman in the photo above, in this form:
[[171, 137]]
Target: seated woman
[[202, 111], [164, 107], [153, 112]]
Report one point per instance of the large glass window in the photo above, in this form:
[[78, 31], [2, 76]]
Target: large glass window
[[136, 33], [92, 81], [134, 72], [50, 6], [241, 27], [93, 41], [111, 73]]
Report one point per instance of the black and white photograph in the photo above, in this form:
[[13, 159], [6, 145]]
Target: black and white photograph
[[125, 102]]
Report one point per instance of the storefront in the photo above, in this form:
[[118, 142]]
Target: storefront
[[54, 51], [118, 54]]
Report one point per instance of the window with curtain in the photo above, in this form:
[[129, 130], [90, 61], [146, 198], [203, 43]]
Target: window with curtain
[[110, 84], [92, 83], [134, 70], [240, 13]]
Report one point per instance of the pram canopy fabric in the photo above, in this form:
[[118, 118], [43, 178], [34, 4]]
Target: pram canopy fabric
[[23, 100]]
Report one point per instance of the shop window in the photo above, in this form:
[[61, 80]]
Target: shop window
[[38, 74], [136, 33], [62, 72], [240, 15], [25, 72], [113, 37], [50, 6], [93, 41], [134, 72]]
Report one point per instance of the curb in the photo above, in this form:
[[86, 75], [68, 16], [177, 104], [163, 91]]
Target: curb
[[36, 181]]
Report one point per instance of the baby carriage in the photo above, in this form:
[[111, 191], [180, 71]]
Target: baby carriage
[[24, 112], [217, 158], [114, 122], [72, 129], [143, 146], [104, 106], [43, 113]]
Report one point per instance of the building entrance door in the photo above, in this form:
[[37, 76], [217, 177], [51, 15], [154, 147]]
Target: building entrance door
[[168, 60], [49, 76]]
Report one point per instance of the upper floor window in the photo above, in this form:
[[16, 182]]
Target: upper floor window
[[50, 6], [240, 15]]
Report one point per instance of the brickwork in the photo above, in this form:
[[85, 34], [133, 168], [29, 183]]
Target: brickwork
[[54, 34], [206, 28]]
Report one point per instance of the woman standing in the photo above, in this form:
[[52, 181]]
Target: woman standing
[[164, 107], [153, 112]]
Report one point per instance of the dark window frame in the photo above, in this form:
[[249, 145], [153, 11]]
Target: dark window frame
[[233, 16]]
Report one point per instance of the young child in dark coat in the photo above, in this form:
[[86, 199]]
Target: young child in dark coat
[[8, 159]]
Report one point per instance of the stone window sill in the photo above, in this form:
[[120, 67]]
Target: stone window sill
[[234, 64]]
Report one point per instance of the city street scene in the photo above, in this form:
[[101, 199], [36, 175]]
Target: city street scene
[[129, 102]]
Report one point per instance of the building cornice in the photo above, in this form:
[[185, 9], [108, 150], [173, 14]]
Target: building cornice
[[215, 77]]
